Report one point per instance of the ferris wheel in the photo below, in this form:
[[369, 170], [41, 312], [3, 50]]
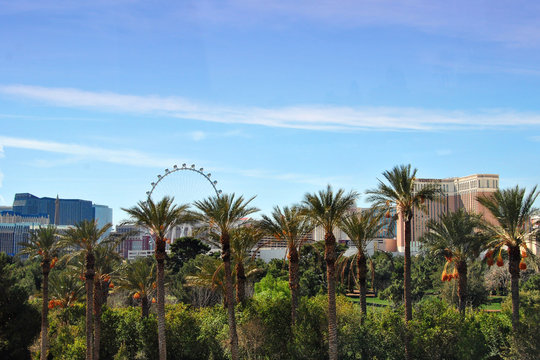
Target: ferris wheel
[[185, 184]]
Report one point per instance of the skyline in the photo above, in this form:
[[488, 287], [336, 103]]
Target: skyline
[[274, 99]]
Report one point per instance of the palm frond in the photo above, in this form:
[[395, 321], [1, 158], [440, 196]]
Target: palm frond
[[223, 213], [327, 207]]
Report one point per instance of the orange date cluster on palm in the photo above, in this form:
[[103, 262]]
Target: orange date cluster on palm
[[54, 303], [446, 276], [500, 261]]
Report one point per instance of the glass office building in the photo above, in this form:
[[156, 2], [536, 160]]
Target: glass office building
[[70, 211]]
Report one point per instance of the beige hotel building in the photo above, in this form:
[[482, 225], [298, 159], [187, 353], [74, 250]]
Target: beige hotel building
[[459, 192]]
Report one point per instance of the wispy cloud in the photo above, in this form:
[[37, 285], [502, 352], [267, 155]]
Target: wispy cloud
[[135, 158], [443, 152], [308, 117], [513, 23], [203, 135], [298, 178], [125, 157]]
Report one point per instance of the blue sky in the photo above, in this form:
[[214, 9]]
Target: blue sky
[[274, 98]]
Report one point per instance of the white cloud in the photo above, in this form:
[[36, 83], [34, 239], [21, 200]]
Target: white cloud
[[198, 135], [508, 22], [203, 135], [125, 157], [443, 152], [308, 117], [290, 177], [501, 21], [135, 158]]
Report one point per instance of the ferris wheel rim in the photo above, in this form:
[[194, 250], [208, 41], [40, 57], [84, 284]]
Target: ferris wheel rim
[[184, 167]]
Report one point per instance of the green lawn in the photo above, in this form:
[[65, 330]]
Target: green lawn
[[372, 301], [494, 303]]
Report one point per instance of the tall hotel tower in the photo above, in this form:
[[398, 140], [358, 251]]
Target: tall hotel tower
[[457, 193]]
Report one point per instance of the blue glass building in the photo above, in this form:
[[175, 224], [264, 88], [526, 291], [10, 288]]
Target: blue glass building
[[71, 211]]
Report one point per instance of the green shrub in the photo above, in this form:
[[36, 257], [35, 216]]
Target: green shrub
[[526, 344], [438, 331], [136, 336], [310, 340], [264, 329], [532, 283], [213, 330], [19, 321], [183, 334]]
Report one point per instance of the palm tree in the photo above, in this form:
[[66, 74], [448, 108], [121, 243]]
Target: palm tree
[[138, 278], [221, 214], [362, 228], [326, 209], [209, 275], [159, 218], [512, 210], [107, 261], [66, 288], [400, 191], [455, 237], [43, 243], [292, 226], [85, 236], [243, 240]]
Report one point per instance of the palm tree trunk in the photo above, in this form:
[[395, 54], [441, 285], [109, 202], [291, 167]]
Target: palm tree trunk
[[293, 281], [407, 285], [362, 272], [462, 285], [98, 301], [240, 283], [407, 272], [45, 268], [330, 257], [372, 269], [160, 281], [89, 275], [229, 299], [144, 307], [514, 257]]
